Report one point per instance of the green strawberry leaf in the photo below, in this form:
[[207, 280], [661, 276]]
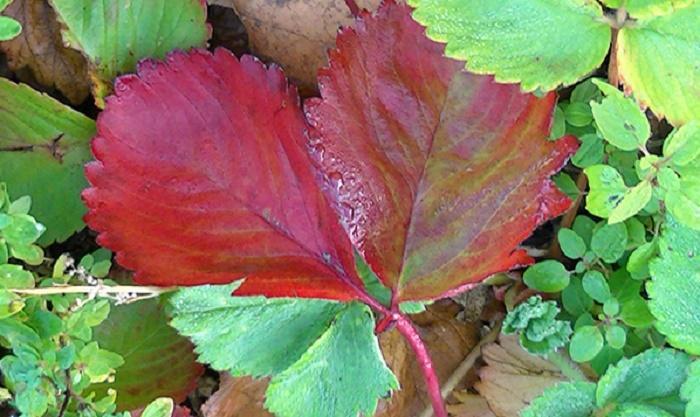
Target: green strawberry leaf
[[675, 286], [539, 43], [43, 146], [157, 361], [653, 374], [114, 40], [640, 9], [308, 346], [683, 145], [663, 51], [690, 391], [570, 399], [639, 410]]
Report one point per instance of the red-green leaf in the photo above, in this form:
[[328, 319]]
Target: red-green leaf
[[202, 177], [203, 174], [437, 174]]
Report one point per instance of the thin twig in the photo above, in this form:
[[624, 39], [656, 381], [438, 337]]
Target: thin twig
[[465, 366], [90, 289]]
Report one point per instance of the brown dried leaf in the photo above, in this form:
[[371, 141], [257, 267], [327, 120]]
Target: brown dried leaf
[[470, 405], [294, 33], [39, 49], [513, 377], [449, 341], [237, 397]]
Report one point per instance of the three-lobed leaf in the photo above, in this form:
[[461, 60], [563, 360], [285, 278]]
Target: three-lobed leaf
[[405, 170], [322, 355]]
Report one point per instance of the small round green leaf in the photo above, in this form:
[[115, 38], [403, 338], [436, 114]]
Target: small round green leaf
[[575, 299], [621, 122], [585, 343], [571, 243], [596, 286], [611, 307], [609, 242], [616, 336], [591, 151], [9, 28], [547, 276]]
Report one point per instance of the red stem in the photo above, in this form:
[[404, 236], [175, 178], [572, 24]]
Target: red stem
[[409, 331], [354, 8]]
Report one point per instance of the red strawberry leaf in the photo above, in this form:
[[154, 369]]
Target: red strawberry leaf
[[202, 176], [437, 174]]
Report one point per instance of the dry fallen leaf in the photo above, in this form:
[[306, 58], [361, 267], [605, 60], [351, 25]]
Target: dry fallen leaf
[[294, 33], [449, 341], [470, 405], [237, 397], [513, 377], [39, 49]]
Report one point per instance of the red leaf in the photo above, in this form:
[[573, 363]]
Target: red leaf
[[202, 177], [437, 174]]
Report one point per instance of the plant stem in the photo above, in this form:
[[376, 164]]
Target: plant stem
[[409, 331], [567, 367]]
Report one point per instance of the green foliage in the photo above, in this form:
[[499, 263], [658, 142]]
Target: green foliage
[[9, 28], [306, 345], [543, 44], [539, 43], [160, 407], [43, 146], [540, 332], [646, 385], [690, 391], [675, 286], [115, 41], [547, 276]]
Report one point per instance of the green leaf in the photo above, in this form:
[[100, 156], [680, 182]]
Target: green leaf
[[566, 399], [684, 204], [674, 289], [310, 346], [655, 373], [578, 114], [635, 313], [43, 147], [341, 374], [690, 391], [609, 242], [585, 92], [611, 307], [596, 286], [14, 276], [10, 304], [21, 205], [23, 230], [621, 122], [584, 226], [98, 364], [157, 361], [668, 179], [616, 336], [539, 43], [633, 201], [575, 299], [567, 185], [647, 8], [114, 41], [663, 51], [591, 151], [9, 28], [585, 343], [547, 276], [638, 262], [683, 145], [160, 407], [607, 189], [639, 410], [605, 358], [571, 243], [535, 320]]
